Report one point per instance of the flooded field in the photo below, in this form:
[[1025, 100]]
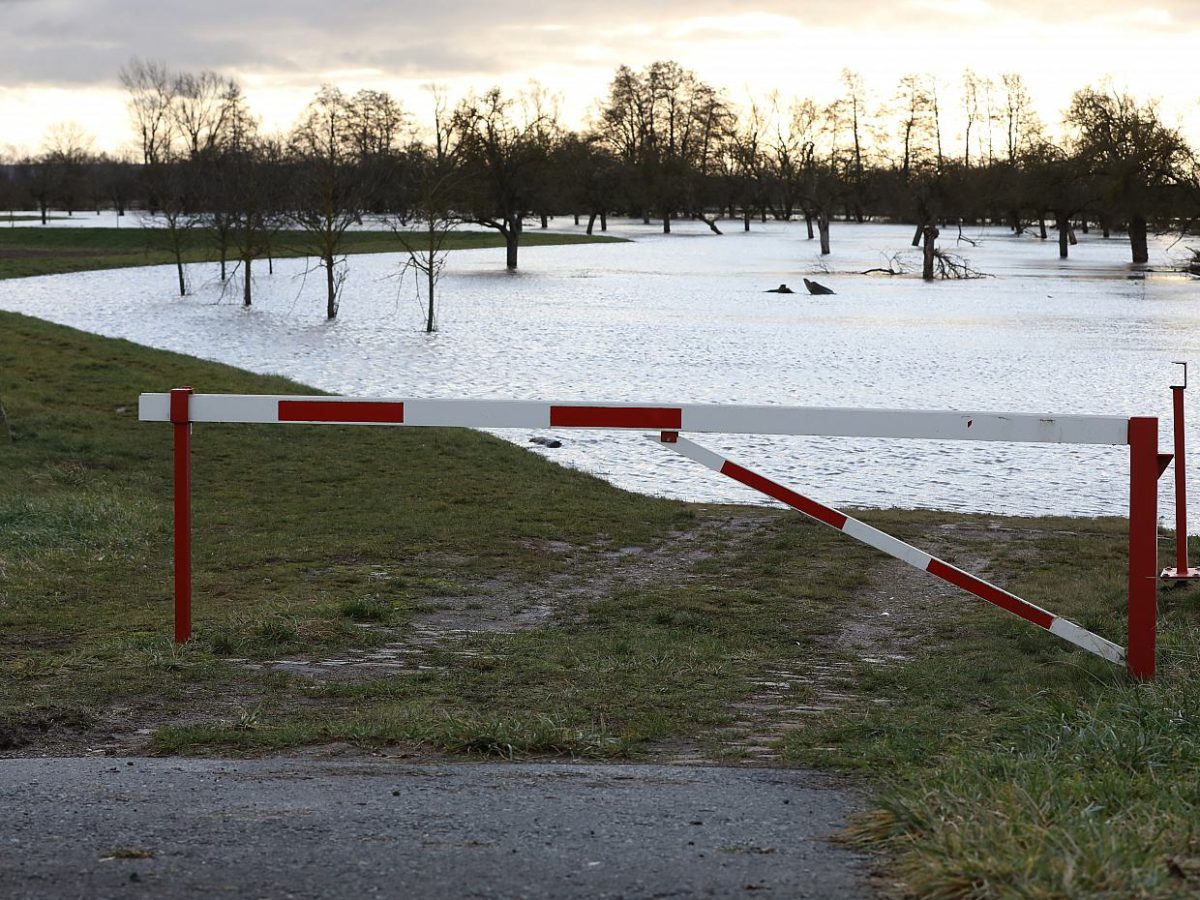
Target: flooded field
[[684, 318]]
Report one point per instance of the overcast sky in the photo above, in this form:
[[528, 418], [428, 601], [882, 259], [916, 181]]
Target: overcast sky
[[59, 59]]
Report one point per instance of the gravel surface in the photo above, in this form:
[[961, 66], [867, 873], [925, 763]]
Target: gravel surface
[[101, 828]]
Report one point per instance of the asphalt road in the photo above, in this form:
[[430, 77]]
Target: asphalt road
[[162, 828]]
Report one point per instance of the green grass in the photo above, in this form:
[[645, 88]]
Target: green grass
[[998, 761], [26, 251], [1000, 769], [303, 536]]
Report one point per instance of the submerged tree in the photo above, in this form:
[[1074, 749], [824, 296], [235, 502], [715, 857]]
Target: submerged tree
[[1133, 156], [431, 177], [328, 190], [668, 127], [504, 164]]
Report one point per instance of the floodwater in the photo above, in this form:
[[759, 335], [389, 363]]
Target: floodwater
[[684, 318]]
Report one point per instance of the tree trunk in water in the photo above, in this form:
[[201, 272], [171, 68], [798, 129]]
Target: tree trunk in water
[[1137, 239], [1060, 222], [222, 262], [603, 220], [916, 241], [429, 316], [746, 220], [246, 283], [1042, 233], [1071, 239], [1014, 221], [823, 228], [645, 218], [43, 208], [576, 218], [929, 233], [591, 222], [331, 307], [512, 241], [762, 216], [546, 221], [179, 272], [808, 222], [666, 223], [1083, 224]]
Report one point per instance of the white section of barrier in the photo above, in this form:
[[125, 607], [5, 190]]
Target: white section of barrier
[[717, 418]]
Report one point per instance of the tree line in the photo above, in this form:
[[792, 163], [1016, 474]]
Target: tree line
[[662, 144]]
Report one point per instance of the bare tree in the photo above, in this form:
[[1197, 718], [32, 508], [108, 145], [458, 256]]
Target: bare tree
[[251, 193], [668, 126], [854, 101], [67, 152], [1135, 158], [794, 152], [175, 219], [329, 189], [201, 110], [914, 123], [935, 119], [432, 186], [1023, 128], [504, 161], [375, 124], [151, 90]]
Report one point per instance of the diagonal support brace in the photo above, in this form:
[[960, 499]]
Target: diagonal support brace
[[897, 549]]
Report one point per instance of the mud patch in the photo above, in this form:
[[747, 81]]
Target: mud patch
[[503, 606]]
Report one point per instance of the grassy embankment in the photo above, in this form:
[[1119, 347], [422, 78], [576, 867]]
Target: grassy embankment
[[1000, 763], [50, 251]]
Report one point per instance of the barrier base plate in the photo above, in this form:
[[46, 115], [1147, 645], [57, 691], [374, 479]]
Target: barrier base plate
[[1176, 575]]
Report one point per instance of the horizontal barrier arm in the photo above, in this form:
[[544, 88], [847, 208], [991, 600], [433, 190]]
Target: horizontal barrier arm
[[711, 418]]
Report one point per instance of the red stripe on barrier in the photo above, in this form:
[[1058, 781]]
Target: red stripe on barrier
[[648, 417], [991, 594], [350, 412], [797, 501]]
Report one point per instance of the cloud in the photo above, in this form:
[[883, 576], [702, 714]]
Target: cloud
[[81, 41], [74, 42]]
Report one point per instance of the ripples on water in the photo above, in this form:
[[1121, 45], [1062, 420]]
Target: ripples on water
[[683, 318]]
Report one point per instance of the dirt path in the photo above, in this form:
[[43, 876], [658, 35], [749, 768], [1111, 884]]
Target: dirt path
[[883, 623]]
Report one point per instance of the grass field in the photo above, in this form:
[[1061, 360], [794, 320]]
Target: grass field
[[439, 591], [26, 251]]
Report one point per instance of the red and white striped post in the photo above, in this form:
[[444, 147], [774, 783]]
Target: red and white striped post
[[181, 425]]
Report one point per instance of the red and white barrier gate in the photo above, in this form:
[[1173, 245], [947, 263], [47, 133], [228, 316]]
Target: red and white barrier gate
[[181, 408]]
